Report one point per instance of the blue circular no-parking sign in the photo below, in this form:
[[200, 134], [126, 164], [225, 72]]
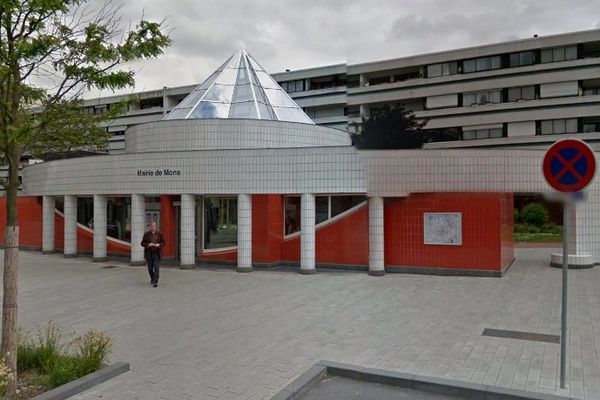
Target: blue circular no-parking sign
[[569, 165]]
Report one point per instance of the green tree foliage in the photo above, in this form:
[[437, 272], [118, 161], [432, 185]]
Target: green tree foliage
[[535, 214], [390, 128], [51, 52]]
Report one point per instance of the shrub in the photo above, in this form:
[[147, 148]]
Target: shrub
[[516, 215], [91, 351], [61, 372], [42, 353], [535, 214], [58, 363]]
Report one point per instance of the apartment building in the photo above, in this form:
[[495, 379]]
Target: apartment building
[[520, 93]]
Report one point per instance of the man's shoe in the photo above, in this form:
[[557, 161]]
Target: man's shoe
[[155, 284]]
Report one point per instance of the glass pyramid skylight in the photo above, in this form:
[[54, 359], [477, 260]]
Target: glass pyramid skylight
[[240, 88]]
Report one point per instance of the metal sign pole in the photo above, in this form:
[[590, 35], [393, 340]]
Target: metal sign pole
[[569, 166], [565, 275]]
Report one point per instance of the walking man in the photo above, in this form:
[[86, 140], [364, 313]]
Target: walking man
[[153, 242]]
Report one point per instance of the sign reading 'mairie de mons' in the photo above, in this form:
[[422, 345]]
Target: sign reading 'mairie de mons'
[[158, 172]]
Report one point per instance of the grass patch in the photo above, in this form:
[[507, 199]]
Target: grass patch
[[537, 237], [547, 233]]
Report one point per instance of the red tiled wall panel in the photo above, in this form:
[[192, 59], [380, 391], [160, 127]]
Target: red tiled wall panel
[[85, 239], [344, 241], [29, 219], [484, 225], [267, 228], [168, 225]]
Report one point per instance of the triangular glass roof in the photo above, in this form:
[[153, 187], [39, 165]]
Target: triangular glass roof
[[240, 88]]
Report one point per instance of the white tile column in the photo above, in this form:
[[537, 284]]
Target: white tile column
[[376, 237], [99, 228], [307, 234], [138, 211], [187, 228], [583, 235], [48, 207], [244, 238], [70, 230]]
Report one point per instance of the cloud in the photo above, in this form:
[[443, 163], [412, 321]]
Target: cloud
[[300, 34]]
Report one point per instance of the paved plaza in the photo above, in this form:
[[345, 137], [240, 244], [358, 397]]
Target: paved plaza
[[218, 334]]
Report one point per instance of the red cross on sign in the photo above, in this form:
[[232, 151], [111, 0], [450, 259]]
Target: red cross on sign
[[569, 165]]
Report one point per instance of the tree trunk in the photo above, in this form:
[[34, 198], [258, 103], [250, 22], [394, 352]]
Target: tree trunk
[[9, 303], [11, 265]]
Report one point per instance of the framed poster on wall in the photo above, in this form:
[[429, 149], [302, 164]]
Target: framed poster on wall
[[442, 228]]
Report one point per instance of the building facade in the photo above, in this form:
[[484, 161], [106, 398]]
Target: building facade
[[237, 173], [521, 93]]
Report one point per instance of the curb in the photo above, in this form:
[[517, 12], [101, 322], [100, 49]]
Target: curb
[[299, 387], [85, 382]]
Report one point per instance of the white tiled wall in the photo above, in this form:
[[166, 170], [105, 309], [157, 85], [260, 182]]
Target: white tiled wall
[[100, 212], [315, 170], [210, 134], [70, 229], [138, 211], [244, 220], [307, 232], [376, 235], [48, 223], [188, 230]]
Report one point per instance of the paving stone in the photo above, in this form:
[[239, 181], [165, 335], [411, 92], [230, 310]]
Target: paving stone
[[219, 334]]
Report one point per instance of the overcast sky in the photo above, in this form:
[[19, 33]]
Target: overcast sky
[[296, 34]]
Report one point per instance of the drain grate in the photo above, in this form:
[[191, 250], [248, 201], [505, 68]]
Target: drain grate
[[536, 337], [110, 267]]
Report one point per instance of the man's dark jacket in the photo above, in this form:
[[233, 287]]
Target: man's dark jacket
[[148, 238]]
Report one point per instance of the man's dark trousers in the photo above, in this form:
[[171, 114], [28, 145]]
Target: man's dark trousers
[[154, 266]]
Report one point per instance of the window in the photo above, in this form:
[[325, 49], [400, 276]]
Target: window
[[151, 103], [340, 204], [590, 124], [483, 97], [521, 93], [407, 76], [559, 54], [491, 133], [118, 216], [522, 58], [443, 69], [220, 222], [96, 110], [558, 126], [482, 64], [291, 214], [326, 207], [379, 80], [352, 111], [353, 81], [293, 86], [443, 134], [592, 91], [332, 82], [321, 209]]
